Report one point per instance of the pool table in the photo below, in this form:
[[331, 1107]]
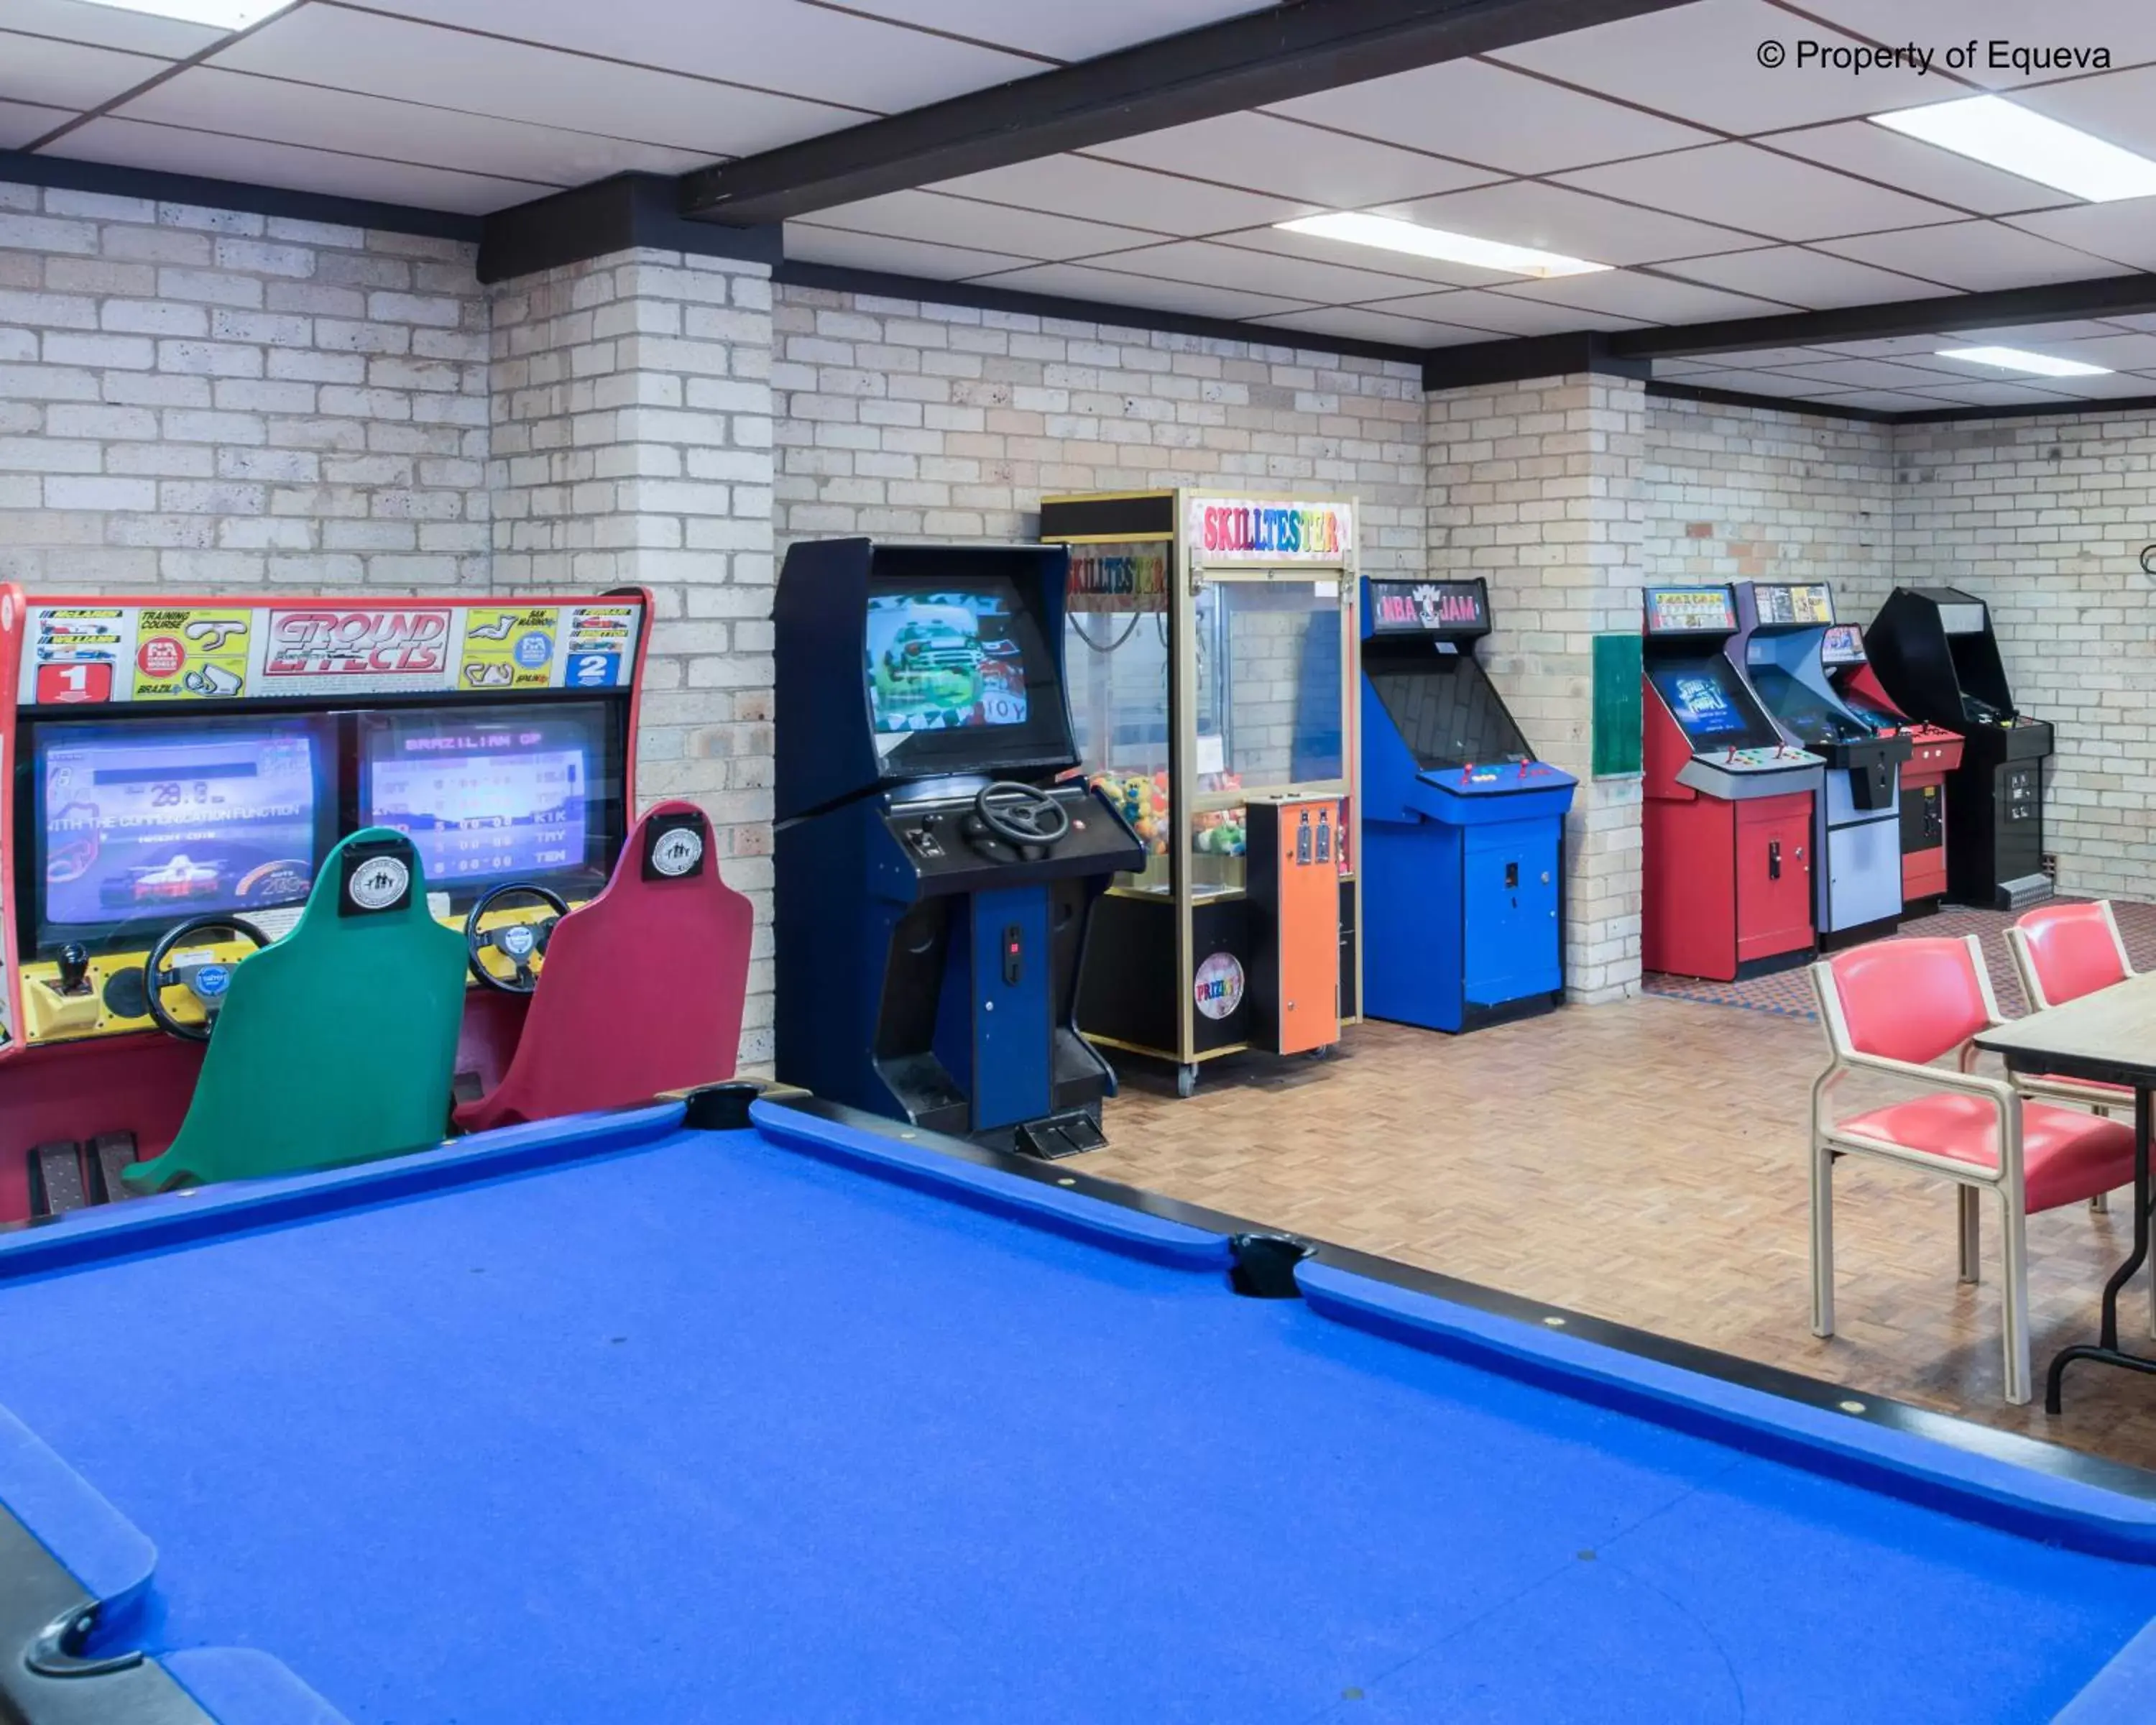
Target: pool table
[[727, 1409]]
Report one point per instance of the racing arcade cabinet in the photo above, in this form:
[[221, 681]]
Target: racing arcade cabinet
[[1727, 814], [934, 880], [1463, 828], [1935, 754], [1934, 654], [1857, 823]]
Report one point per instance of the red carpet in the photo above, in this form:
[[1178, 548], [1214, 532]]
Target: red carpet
[[1789, 992]]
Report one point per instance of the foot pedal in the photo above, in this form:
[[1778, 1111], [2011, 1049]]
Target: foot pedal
[[110, 1155], [1053, 1137], [56, 1182]]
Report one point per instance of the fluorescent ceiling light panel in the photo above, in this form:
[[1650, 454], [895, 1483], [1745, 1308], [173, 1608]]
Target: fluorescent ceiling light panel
[[217, 14], [2016, 359], [1397, 236], [2030, 144]]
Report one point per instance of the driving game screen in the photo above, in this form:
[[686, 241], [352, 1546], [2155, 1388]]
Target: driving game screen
[[1702, 699], [945, 660], [489, 795], [175, 820]]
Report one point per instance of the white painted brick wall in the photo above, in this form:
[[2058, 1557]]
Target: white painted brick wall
[[1534, 486], [632, 447], [204, 398]]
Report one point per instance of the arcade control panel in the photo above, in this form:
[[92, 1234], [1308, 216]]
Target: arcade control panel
[[1735, 774], [1475, 779], [946, 846]]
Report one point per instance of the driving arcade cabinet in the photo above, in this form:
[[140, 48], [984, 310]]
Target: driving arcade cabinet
[[934, 878], [1783, 629], [1727, 814], [1935, 752], [1463, 828], [183, 768], [1935, 655]]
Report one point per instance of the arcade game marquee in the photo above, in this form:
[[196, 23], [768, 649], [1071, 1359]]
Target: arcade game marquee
[[1934, 753], [181, 768], [1463, 828], [1212, 656], [934, 872], [1935, 656], [1727, 815], [1784, 628]]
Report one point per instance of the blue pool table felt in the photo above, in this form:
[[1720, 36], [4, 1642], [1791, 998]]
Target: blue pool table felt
[[701, 1427]]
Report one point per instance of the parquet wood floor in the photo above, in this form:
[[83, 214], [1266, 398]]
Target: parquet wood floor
[[1644, 1162]]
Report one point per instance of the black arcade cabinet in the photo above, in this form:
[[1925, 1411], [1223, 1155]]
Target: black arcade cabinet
[[1934, 652], [935, 870]]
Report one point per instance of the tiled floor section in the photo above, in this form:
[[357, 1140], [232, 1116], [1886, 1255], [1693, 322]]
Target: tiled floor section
[[1789, 992], [1642, 1161]]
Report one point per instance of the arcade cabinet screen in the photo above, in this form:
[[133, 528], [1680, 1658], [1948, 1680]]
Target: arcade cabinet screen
[[945, 659], [493, 794], [1705, 702], [155, 821], [1803, 709]]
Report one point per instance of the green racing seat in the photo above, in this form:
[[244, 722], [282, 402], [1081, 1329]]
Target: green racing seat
[[337, 1043]]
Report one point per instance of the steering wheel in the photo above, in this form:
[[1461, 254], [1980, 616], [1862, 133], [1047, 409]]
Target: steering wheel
[[207, 982], [1021, 815], [522, 943]]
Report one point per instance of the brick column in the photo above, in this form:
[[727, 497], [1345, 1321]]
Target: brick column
[[1534, 486], [632, 446]]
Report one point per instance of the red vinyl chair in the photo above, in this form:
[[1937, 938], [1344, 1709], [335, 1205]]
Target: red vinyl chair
[[2061, 952], [1890, 1010], [639, 991]]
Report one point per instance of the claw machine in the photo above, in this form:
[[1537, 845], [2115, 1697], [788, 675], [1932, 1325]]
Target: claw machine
[[1211, 658]]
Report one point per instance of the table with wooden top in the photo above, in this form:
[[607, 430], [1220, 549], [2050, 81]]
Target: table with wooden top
[[2108, 1037]]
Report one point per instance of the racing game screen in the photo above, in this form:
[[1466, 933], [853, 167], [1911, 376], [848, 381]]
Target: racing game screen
[[945, 660], [1804, 710], [490, 794], [162, 820]]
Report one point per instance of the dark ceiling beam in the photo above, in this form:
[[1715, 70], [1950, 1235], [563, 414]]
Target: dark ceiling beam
[[2055, 302], [1267, 56]]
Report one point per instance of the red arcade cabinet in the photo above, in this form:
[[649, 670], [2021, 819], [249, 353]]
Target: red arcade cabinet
[[1937, 752], [1728, 806], [181, 768]]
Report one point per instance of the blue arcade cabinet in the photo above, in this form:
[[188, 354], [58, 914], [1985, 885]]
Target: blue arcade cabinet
[[935, 876], [1463, 828]]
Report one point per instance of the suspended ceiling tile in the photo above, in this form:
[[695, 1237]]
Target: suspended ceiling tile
[[984, 227], [1079, 281], [2119, 107], [1872, 374], [1701, 63], [381, 56], [1266, 153], [20, 122], [1756, 189], [1260, 272], [2108, 387], [2132, 321], [67, 75], [1063, 32], [1576, 223], [1321, 251], [2031, 335], [1110, 192], [2128, 27], [1482, 114], [130, 144], [812, 244], [2122, 353], [1655, 299], [1973, 255], [2124, 232], [799, 50], [1757, 359], [109, 27], [277, 112], [1886, 347], [1893, 158], [1886, 401], [1755, 384], [1803, 278], [1502, 315], [1361, 323], [1999, 394]]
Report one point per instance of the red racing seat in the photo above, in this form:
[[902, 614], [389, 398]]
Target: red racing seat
[[1890, 1010], [640, 990]]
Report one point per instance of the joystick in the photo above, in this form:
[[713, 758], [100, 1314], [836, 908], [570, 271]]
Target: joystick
[[74, 968]]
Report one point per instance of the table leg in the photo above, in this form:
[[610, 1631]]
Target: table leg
[[2107, 1348]]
